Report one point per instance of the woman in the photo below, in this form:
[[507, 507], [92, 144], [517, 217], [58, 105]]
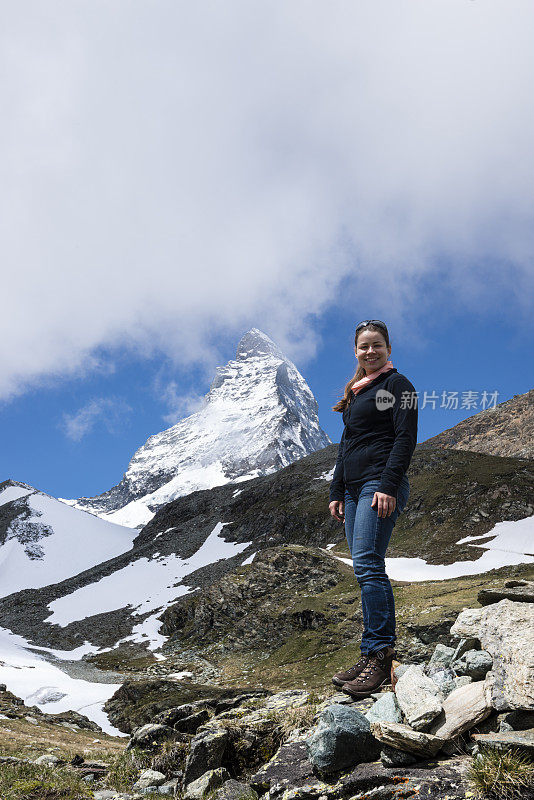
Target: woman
[[370, 490]]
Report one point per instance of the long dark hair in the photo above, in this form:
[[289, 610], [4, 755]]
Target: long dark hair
[[360, 372]]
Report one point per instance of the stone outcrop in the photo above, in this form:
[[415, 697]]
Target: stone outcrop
[[341, 740], [506, 630], [462, 710]]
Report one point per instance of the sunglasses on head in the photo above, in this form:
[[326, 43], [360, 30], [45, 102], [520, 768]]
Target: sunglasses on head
[[377, 322]]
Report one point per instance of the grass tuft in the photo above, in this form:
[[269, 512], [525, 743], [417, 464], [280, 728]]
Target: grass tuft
[[27, 781], [126, 768], [501, 775]]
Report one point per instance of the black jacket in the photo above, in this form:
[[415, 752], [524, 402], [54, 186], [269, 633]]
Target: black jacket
[[378, 439]]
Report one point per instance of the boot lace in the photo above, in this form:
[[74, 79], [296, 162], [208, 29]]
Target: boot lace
[[359, 664], [372, 666]]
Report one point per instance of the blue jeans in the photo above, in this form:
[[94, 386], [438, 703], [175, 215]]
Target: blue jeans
[[368, 536]]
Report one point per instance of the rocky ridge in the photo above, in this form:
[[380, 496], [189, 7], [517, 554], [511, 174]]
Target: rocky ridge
[[506, 430], [453, 494]]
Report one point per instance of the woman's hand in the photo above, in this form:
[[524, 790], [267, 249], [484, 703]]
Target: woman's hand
[[386, 504], [336, 510]]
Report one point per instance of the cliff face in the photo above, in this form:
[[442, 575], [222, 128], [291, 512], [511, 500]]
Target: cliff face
[[506, 430]]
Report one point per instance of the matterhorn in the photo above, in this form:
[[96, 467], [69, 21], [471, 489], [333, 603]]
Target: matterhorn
[[258, 416]]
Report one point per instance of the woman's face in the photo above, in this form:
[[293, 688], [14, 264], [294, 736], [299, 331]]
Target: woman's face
[[371, 351]]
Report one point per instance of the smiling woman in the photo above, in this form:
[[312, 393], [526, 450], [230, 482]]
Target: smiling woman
[[370, 490]]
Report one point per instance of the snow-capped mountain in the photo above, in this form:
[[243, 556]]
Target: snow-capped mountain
[[258, 416], [43, 541]]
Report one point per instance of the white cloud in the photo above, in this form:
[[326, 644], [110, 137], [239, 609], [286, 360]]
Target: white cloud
[[180, 405], [174, 171], [110, 412]]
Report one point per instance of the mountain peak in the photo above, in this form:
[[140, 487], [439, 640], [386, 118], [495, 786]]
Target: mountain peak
[[259, 416], [255, 343]]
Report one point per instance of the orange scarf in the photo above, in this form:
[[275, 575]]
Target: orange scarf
[[368, 378]]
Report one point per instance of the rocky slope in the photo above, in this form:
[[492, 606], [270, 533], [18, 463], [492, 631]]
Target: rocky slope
[[43, 541], [258, 416], [195, 541], [414, 738], [506, 430]]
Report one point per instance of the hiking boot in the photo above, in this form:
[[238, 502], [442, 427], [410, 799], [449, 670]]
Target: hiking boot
[[340, 678], [376, 673]]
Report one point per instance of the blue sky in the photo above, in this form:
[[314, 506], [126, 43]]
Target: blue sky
[[174, 175], [451, 355]]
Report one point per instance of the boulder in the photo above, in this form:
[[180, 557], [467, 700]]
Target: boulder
[[289, 767], [47, 760], [402, 737], [149, 736], [169, 787], [419, 697], [475, 663], [462, 709], [463, 646], [205, 753], [445, 680], [290, 698], [206, 784], [506, 630], [235, 790], [187, 717], [149, 777], [440, 659], [341, 740], [386, 708], [520, 591], [507, 740]]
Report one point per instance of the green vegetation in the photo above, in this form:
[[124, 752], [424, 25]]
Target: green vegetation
[[498, 775], [125, 769], [27, 781]]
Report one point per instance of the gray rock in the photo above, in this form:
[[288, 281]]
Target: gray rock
[[521, 591], [462, 710], [150, 735], [401, 669], [471, 643], [290, 698], [445, 679], [47, 760], [386, 708], [341, 740], [506, 740], [506, 630], [440, 659], [205, 753], [149, 777], [402, 737], [391, 757], [210, 780], [289, 767], [235, 790], [474, 663], [106, 794], [419, 698], [169, 787], [462, 680], [186, 718]]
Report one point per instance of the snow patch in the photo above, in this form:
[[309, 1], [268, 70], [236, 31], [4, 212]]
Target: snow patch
[[56, 542], [145, 586], [35, 680], [513, 544]]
